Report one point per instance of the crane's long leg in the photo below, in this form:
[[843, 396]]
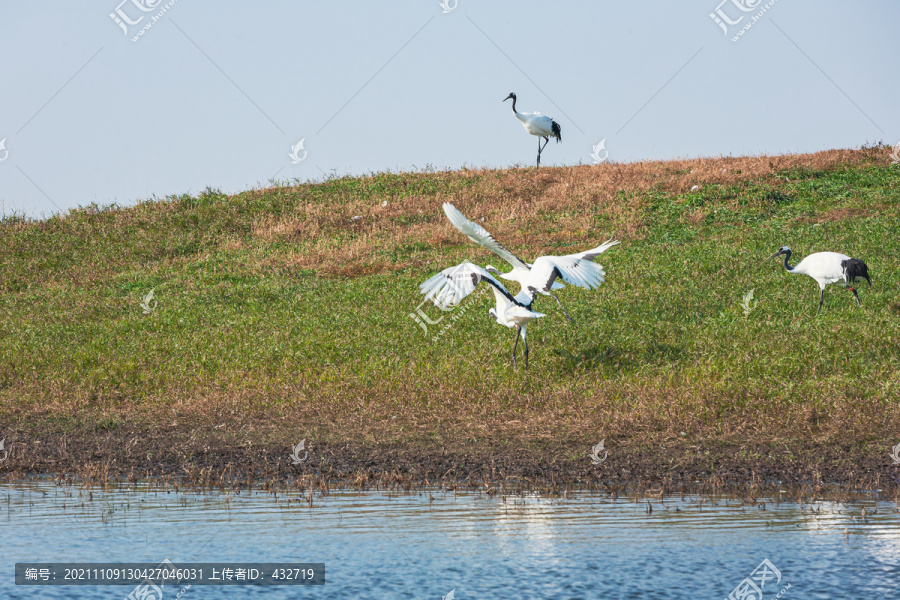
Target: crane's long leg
[[560, 305], [515, 346], [821, 299], [541, 149], [525, 340]]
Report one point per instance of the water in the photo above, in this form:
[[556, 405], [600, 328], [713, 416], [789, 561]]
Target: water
[[380, 545]]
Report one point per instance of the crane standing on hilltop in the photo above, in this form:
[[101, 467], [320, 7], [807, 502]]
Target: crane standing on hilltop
[[827, 268], [538, 125]]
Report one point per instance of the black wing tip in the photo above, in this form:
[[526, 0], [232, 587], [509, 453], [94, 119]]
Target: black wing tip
[[557, 131], [855, 268]]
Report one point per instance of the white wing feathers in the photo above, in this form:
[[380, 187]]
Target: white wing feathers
[[480, 236], [575, 269], [515, 311], [449, 287], [591, 254]]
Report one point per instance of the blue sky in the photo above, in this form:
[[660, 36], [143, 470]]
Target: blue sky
[[217, 94]]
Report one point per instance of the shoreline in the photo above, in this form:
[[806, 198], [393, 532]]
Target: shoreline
[[630, 467]]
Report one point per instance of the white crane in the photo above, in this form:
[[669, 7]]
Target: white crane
[[537, 124], [538, 278], [827, 268], [450, 286]]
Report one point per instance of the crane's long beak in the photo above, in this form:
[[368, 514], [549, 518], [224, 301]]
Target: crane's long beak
[[507, 98], [771, 257]]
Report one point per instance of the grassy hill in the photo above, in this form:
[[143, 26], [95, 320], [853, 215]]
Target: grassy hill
[[279, 315]]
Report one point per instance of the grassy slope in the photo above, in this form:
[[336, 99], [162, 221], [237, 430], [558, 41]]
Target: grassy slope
[[281, 318]]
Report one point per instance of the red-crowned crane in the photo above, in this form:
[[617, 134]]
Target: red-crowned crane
[[827, 268], [538, 125], [450, 286], [575, 269]]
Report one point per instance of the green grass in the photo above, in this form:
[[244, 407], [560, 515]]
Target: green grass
[[663, 346]]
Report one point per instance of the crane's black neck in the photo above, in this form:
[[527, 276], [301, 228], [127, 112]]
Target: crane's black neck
[[514, 103], [787, 257]]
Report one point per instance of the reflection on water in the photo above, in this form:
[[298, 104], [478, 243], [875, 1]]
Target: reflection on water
[[381, 545]]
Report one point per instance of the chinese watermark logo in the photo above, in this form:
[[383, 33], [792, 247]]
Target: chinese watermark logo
[[146, 303], [452, 290], [895, 454], [301, 447], [895, 153], [449, 6], [296, 159], [751, 588], [748, 303], [150, 591], [124, 20], [146, 591], [595, 453], [421, 318], [600, 147], [4, 153], [738, 9]]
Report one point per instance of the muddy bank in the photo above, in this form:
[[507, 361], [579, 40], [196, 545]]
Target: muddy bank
[[209, 459]]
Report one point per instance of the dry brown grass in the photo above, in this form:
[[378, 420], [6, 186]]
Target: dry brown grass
[[512, 204]]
